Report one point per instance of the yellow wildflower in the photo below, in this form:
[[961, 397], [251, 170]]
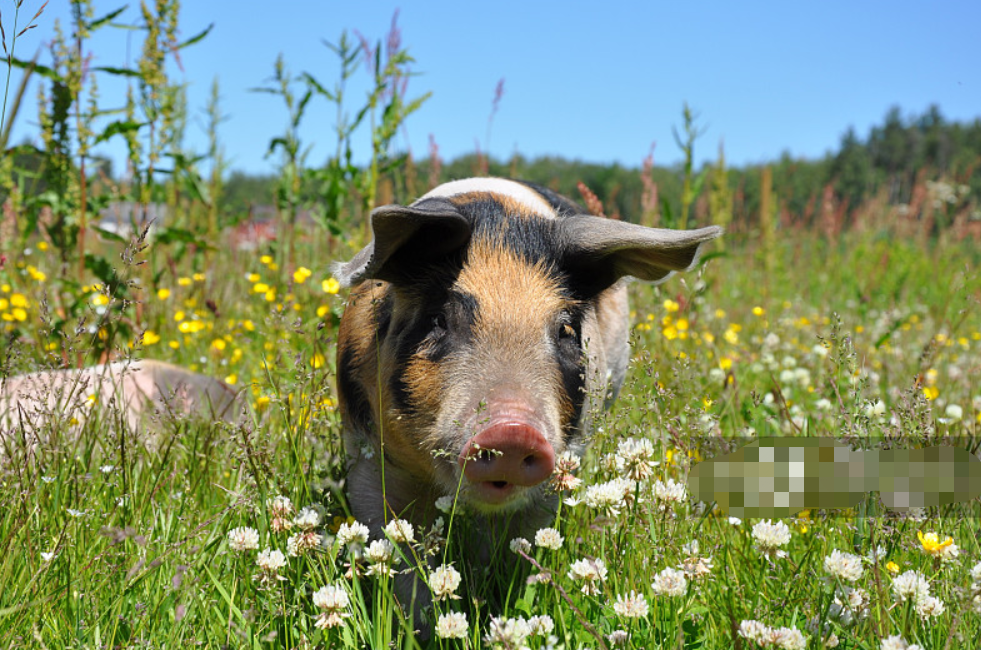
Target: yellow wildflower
[[150, 337], [331, 286], [671, 306], [163, 294], [301, 275], [931, 542]]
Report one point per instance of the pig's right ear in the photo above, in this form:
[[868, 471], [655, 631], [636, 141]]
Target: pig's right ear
[[600, 251], [406, 238]]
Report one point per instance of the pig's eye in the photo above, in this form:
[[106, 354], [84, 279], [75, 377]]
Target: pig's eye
[[437, 325], [566, 331]]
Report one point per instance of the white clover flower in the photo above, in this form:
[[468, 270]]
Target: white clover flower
[[954, 412], [400, 531], [735, 521], [243, 539], [976, 572], [754, 632], [669, 492], [563, 476], [333, 601], [280, 506], [331, 597], [354, 534], [507, 632], [770, 536], [910, 585], [634, 458], [949, 553], [844, 565], [857, 600], [691, 547], [520, 544], [608, 496], [696, 567], [549, 538], [876, 554], [541, 625], [444, 581], [633, 605], [670, 582], [590, 573], [271, 560], [380, 554], [618, 637], [452, 625], [875, 409], [445, 504], [46, 556], [930, 606], [894, 642], [823, 404], [303, 541], [788, 638], [307, 518], [107, 469]]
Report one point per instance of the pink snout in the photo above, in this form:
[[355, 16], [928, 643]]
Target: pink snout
[[504, 455]]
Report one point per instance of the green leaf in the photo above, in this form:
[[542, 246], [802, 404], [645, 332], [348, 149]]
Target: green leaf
[[42, 70], [171, 235], [117, 127], [120, 72], [110, 235], [196, 38], [101, 268], [99, 22]]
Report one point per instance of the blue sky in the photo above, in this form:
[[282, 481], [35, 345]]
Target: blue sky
[[593, 81]]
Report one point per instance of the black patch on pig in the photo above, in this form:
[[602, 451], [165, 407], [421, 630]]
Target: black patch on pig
[[442, 323], [358, 406], [572, 366], [563, 206]]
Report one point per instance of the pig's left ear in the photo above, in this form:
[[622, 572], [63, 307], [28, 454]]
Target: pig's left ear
[[601, 251], [406, 238]]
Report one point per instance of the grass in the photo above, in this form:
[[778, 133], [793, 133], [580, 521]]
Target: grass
[[109, 542]]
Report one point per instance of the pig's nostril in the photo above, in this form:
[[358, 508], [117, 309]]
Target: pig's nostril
[[499, 484]]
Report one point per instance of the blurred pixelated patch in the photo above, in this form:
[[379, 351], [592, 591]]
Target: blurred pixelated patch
[[779, 477]]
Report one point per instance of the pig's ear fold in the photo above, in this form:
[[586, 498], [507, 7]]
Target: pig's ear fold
[[601, 251], [406, 238]]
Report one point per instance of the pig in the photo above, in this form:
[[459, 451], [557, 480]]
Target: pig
[[487, 321], [29, 402]]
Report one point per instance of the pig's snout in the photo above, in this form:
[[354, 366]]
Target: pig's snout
[[506, 454]]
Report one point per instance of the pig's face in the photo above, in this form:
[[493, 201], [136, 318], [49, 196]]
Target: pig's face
[[470, 361], [489, 371]]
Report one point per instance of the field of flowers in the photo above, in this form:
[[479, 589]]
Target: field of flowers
[[238, 536]]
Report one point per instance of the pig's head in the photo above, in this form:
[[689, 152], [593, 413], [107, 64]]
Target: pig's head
[[485, 337]]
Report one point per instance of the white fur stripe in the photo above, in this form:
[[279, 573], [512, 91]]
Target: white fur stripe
[[510, 189]]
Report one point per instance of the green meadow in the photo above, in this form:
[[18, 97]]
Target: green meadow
[[825, 311]]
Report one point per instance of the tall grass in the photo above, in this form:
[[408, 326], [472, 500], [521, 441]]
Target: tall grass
[[167, 537]]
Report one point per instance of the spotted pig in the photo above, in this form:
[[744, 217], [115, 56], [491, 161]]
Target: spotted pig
[[487, 321]]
